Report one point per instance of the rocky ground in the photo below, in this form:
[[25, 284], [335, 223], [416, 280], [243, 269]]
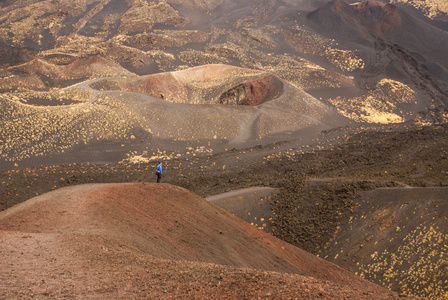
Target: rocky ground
[[319, 187]]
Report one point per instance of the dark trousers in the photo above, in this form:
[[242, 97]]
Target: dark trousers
[[159, 177]]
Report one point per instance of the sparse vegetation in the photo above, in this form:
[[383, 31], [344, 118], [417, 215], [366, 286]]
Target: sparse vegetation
[[324, 102]]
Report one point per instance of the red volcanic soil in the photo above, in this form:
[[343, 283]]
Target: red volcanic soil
[[154, 240], [252, 92], [214, 84]]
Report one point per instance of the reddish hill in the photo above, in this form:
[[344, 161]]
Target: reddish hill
[[110, 239], [208, 84]]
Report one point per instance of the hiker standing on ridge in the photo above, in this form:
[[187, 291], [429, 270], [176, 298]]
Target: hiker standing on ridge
[[159, 172]]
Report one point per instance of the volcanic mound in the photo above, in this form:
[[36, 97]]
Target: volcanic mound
[[96, 234], [365, 19], [375, 23], [210, 84], [212, 103]]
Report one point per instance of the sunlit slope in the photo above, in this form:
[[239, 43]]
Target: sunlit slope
[[213, 103]]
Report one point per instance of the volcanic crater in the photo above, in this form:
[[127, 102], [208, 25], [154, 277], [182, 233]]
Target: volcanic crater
[[210, 84]]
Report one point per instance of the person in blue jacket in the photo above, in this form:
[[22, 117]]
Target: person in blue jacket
[[159, 172]]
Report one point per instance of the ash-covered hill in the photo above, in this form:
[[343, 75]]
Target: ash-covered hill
[[397, 45]]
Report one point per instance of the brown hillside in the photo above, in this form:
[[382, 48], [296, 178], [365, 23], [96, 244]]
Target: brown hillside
[[106, 226]]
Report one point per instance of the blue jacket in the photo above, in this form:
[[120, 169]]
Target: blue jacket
[[159, 168]]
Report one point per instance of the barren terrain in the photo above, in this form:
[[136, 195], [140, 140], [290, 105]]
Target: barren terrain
[[320, 125], [122, 240]]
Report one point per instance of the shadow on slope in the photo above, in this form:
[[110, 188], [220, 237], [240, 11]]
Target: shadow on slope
[[397, 238], [10, 56], [367, 22], [251, 205], [394, 44]]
